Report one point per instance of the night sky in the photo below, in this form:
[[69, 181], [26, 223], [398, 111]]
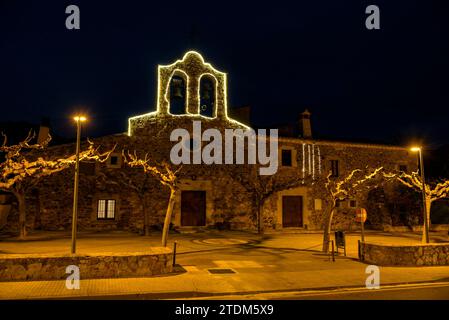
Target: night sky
[[389, 85]]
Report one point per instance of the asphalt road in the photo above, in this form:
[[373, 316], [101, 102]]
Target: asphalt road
[[413, 292]]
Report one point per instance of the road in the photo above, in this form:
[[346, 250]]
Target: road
[[427, 291]]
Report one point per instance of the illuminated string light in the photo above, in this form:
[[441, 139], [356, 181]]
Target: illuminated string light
[[319, 160], [303, 161], [309, 158], [313, 162]]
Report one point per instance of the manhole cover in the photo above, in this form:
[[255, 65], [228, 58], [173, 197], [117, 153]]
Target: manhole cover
[[221, 271]]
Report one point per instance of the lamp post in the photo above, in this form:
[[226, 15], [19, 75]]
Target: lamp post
[[424, 197], [78, 120]]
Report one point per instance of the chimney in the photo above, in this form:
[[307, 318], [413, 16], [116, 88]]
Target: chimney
[[305, 128], [44, 130]]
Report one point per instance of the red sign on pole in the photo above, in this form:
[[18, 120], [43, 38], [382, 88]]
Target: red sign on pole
[[360, 215]]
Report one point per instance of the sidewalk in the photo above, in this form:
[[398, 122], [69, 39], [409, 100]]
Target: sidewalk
[[197, 283]]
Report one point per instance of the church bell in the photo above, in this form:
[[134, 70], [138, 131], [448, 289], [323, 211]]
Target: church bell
[[177, 88]]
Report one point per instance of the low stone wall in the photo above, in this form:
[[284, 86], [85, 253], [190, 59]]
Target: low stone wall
[[19, 267], [411, 255]]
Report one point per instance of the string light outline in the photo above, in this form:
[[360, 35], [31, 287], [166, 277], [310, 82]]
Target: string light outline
[[207, 65]]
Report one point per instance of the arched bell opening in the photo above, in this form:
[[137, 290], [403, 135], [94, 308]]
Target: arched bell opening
[[207, 96], [178, 95]]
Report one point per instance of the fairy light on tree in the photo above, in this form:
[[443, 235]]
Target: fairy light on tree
[[440, 190], [24, 167], [165, 175], [342, 189], [262, 187]]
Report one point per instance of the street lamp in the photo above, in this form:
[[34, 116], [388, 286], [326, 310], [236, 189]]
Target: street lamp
[[78, 120], [424, 197]]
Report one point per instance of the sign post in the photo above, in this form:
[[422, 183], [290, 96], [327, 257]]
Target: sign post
[[360, 216]]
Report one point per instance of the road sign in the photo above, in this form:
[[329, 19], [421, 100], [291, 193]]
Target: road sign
[[360, 215]]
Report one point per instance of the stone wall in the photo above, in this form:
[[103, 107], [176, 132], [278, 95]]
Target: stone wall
[[19, 267], [412, 255]]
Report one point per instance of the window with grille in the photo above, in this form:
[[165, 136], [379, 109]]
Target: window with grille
[[106, 209]]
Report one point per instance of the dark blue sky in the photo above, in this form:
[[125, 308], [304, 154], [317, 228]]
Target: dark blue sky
[[387, 85]]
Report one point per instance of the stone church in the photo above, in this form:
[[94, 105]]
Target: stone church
[[113, 196]]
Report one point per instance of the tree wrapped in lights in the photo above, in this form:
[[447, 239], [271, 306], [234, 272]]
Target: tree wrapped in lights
[[23, 168], [338, 190], [439, 190], [166, 176]]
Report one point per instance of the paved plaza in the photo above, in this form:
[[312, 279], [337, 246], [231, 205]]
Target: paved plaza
[[275, 263]]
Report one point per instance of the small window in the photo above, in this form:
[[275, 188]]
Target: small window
[[114, 161], [334, 166], [318, 204], [353, 203], [106, 209], [402, 168], [339, 203], [286, 158]]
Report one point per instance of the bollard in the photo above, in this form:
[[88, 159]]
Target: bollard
[[174, 252]]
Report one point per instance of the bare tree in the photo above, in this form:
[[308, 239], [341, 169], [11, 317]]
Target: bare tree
[[141, 188], [343, 189], [261, 187], [23, 169], [439, 190], [166, 176]]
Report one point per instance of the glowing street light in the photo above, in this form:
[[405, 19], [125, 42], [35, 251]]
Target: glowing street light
[[78, 119], [424, 197]]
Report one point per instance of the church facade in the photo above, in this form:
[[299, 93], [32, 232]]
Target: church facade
[[113, 196]]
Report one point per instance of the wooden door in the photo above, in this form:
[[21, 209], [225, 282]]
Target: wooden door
[[193, 208], [292, 211]]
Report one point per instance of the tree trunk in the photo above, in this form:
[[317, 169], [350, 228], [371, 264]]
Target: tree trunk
[[22, 214], [327, 229], [428, 205], [171, 203], [146, 218]]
